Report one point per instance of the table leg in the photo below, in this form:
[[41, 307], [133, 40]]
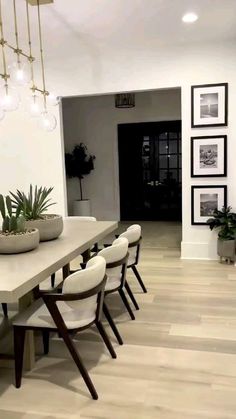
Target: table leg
[[29, 350], [86, 255], [66, 271]]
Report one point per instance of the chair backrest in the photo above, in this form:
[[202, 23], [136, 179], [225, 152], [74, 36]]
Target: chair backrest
[[116, 257], [134, 236], [85, 280]]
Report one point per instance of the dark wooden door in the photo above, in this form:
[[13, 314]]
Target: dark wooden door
[[150, 170]]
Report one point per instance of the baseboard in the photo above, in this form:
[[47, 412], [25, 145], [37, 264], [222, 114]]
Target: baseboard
[[203, 251]]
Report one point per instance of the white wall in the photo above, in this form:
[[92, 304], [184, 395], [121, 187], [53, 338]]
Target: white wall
[[29, 155], [37, 156], [93, 120]]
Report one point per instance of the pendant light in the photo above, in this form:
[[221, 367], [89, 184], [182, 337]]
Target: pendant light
[[19, 71], [47, 120], [9, 98], [34, 104], [125, 100]]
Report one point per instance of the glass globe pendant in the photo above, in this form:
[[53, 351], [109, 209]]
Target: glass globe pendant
[[20, 74], [52, 99], [47, 121], [9, 98], [34, 106], [2, 114]]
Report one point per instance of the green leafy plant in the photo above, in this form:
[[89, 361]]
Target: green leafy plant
[[225, 220], [33, 205], [79, 163], [13, 221]]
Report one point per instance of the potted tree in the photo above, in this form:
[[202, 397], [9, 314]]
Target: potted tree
[[78, 164], [33, 207], [14, 236], [225, 221]]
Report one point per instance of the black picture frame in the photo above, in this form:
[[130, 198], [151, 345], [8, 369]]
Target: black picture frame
[[201, 188], [214, 86], [201, 139]]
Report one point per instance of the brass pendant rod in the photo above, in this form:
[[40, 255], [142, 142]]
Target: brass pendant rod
[[31, 58], [17, 49], [5, 76], [41, 56], [44, 92]]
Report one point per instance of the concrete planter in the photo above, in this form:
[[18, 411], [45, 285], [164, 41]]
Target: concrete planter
[[82, 207], [49, 228], [19, 243], [226, 249]]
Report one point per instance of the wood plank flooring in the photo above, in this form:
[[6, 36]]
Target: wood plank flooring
[[179, 356]]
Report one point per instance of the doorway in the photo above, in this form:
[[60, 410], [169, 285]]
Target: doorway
[[150, 171]]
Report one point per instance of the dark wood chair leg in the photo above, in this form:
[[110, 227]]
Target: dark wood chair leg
[[131, 295], [106, 339], [19, 341], [95, 248], [112, 324], [4, 309], [46, 336], [53, 277], [78, 361], [136, 273], [126, 303]]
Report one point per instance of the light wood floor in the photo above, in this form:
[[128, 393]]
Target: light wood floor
[[179, 357]]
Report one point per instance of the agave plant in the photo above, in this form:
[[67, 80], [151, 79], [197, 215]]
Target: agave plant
[[13, 222], [33, 205]]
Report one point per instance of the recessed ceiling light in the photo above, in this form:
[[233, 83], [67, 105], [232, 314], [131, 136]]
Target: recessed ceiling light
[[190, 18]]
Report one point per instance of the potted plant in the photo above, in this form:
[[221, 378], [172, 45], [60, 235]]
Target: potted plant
[[14, 236], [33, 207], [225, 220], [78, 164]]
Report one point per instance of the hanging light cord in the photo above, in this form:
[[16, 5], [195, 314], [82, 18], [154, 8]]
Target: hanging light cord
[[31, 58], [2, 42], [45, 93]]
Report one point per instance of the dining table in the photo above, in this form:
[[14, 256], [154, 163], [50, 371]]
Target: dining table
[[21, 274]]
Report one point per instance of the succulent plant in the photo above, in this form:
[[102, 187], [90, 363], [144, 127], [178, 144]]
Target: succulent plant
[[33, 205], [13, 221]]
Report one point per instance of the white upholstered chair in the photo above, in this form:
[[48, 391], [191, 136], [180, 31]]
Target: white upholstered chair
[[116, 257], [78, 307], [134, 236]]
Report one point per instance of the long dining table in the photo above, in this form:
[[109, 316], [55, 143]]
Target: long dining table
[[21, 274]]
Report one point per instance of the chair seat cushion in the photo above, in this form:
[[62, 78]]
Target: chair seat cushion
[[37, 315]]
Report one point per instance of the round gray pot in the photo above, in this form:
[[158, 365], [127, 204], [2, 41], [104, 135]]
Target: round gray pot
[[82, 207], [49, 228], [226, 249], [19, 243]]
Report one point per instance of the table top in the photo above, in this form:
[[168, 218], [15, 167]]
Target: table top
[[21, 273]]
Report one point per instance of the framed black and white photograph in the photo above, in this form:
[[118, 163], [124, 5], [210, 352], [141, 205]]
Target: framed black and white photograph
[[209, 156], [204, 200], [209, 105]]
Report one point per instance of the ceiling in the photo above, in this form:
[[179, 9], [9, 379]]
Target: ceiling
[[74, 28], [137, 21]]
